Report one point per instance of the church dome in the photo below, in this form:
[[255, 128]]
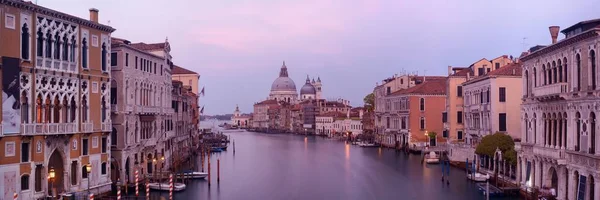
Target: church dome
[[308, 88], [283, 82]]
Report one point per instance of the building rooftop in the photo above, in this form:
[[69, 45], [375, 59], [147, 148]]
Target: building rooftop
[[148, 47], [181, 70], [512, 70], [267, 102], [591, 22], [431, 86]]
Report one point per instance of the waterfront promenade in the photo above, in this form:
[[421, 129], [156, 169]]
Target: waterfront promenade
[[285, 166]]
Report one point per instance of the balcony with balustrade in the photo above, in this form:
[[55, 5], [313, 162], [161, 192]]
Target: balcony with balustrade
[[87, 127], [48, 128], [557, 155], [550, 91], [106, 126], [43, 62]]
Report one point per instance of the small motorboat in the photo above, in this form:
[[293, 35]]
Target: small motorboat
[[478, 177], [195, 175], [367, 144], [165, 186], [432, 158]]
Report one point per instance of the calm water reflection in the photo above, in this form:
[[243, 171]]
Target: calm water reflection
[[295, 167]]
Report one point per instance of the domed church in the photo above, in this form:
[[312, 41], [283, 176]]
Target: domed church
[[283, 88]]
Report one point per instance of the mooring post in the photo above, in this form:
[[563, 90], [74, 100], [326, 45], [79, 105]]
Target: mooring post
[[218, 170]]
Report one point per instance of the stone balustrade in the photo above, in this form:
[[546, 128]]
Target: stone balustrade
[[553, 89]]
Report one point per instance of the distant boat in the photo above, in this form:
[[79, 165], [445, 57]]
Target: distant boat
[[165, 186], [366, 144], [432, 158]]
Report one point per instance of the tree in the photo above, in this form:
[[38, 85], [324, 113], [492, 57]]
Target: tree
[[369, 101], [500, 141]]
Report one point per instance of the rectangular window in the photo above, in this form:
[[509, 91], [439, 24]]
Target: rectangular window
[[502, 122], [488, 70], [38, 178], [388, 90], [487, 96], [84, 146], [136, 62], [497, 65], [460, 135], [24, 182], [459, 91], [387, 122], [24, 152], [480, 72], [74, 172], [103, 168], [445, 134], [126, 59], [161, 70], [422, 123], [444, 117], [113, 59], [502, 94], [103, 145], [154, 68], [459, 117]]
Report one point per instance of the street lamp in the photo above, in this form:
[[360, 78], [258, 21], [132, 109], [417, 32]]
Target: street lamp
[[88, 169], [51, 177]]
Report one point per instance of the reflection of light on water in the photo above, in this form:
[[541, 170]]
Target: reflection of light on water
[[347, 151], [379, 152], [305, 143]]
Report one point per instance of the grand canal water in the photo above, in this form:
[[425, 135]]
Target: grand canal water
[[297, 167]]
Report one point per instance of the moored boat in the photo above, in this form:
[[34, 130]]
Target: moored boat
[[195, 175], [478, 177], [432, 158], [165, 186]]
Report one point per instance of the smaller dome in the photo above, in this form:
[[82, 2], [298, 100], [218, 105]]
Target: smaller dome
[[308, 88]]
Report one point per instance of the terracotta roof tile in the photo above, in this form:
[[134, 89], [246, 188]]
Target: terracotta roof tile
[[267, 102], [181, 70], [463, 72], [513, 69], [435, 86]]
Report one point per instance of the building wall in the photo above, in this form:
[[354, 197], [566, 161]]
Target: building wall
[[511, 107], [434, 106], [454, 104], [53, 79], [189, 80]]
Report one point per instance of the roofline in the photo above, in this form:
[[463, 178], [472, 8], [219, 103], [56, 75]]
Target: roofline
[[585, 35], [570, 28], [56, 14], [478, 79], [135, 49]]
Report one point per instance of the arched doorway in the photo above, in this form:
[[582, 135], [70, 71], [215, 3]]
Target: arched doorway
[[56, 163], [552, 180], [127, 170], [115, 171]]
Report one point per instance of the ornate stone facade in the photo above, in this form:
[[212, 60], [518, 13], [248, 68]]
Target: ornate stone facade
[[559, 146]]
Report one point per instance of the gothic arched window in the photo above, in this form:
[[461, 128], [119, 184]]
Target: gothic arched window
[[65, 49], [73, 46], [48, 45], [592, 133], [103, 107], [25, 42], [593, 68], [56, 46], [84, 109], [84, 54], [40, 43], [422, 104], [73, 110], [578, 127], [578, 63], [104, 57]]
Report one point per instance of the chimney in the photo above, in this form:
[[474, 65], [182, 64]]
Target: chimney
[[360, 114], [554, 33], [94, 15], [449, 70]]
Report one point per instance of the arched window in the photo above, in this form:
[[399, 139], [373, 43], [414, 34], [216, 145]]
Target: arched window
[[549, 71], [578, 136], [73, 49], [593, 68], [113, 137], [578, 63], [25, 182], [65, 49], [527, 83], [24, 108], [48, 108], [526, 128], [422, 104], [65, 110], [56, 106], [104, 57], [535, 83], [56, 46], [566, 69], [560, 71], [84, 109], [84, 54], [113, 92], [25, 42], [40, 43], [103, 107], [73, 110], [103, 168], [534, 127], [422, 123], [554, 72], [48, 45], [592, 133], [545, 75]]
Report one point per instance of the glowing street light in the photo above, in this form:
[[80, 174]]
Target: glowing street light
[[52, 173]]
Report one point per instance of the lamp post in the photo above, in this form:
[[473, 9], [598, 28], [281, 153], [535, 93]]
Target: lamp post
[[51, 177], [88, 169]]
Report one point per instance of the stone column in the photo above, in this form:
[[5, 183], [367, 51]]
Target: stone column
[[562, 184], [538, 173], [564, 121], [596, 187], [572, 185]]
